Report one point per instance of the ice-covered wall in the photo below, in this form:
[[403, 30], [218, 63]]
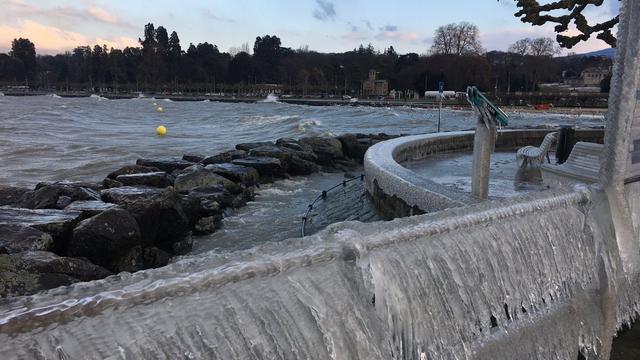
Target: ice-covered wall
[[538, 277]]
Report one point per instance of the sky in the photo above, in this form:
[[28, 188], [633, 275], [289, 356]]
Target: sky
[[56, 26]]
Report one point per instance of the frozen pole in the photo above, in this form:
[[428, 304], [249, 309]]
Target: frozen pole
[[484, 141], [483, 145]]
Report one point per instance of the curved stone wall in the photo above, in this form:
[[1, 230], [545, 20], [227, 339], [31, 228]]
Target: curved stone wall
[[397, 191]]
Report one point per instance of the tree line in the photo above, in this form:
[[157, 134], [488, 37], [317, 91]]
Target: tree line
[[160, 64]]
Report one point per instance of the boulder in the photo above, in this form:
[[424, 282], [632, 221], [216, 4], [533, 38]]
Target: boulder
[[10, 195], [104, 238], [290, 144], [90, 208], [154, 179], [126, 195], [57, 223], [48, 196], [16, 238], [327, 149], [182, 247], [161, 218], [252, 145], [139, 258], [236, 173], [29, 272], [297, 166], [194, 158], [268, 167], [132, 169], [212, 199], [167, 166], [110, 183], [224, 157], [355, 146], [77, 184], [207, 225], [197, 176]]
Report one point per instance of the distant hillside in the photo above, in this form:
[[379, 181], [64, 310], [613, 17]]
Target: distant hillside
[[610, 53]]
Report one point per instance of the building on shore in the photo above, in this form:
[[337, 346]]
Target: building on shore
[[594, 76], [373, 86]]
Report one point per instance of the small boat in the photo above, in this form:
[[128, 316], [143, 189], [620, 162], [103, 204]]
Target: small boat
[[542, 106]]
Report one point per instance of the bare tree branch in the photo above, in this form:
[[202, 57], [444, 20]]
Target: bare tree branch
[[532, 12]]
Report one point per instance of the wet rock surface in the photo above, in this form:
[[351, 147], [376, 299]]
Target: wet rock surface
[[167, 166], [10, 195], [104, 238], [90, 208], [141, 215], [32, 271], [224, 157], [236, 173], [16, 238], [155, 179]]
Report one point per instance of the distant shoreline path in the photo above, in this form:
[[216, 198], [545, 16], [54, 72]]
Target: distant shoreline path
[[326, 102]]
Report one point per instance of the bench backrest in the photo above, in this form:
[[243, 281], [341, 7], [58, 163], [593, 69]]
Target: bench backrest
[[586, 155], [547, 141]]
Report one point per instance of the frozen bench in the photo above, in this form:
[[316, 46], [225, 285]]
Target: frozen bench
[[535, 155], [583, 165]]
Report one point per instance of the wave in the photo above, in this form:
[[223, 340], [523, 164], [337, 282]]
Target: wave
[[206, 101], [306, 124], [167, 100], [271, 98], [55, 96], [98, 97]]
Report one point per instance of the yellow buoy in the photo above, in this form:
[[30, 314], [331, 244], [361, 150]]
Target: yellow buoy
[[161, 130], [159, 109]]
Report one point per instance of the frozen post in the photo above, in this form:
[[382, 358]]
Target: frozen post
[[489, 116]]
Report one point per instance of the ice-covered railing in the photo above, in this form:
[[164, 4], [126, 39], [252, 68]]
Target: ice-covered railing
[[462, 283]]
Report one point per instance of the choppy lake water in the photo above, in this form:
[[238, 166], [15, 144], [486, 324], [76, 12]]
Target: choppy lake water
[[46, 138]]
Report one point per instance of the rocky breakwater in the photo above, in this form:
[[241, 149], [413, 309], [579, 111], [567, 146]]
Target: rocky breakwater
[[142, 215]]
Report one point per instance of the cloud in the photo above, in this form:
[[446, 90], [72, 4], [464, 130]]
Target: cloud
[[210, 15], [408, 36], [369, 26], [52, 40], [325, 12], [19, 9], [389, 28]]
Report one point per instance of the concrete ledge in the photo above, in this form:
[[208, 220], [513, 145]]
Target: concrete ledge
[[397, 191]]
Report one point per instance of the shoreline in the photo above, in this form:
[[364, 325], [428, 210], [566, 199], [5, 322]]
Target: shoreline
[[420, 104]]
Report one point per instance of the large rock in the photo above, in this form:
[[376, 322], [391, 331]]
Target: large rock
[[168, 166], [139, 258], [224, 157], [249, 146], [161, 218], [212, 199], [16, 238], [57, 196], [236, 173], [126, 195], [197, 176], [194, 158], [327, 149], [132, 169], [57, 223], [290, 144], [268, 167], [29, 272], [154, 179], [297, 166], [105, 238], [10, 195], [90, 208], [355, 146]]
